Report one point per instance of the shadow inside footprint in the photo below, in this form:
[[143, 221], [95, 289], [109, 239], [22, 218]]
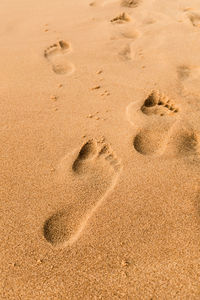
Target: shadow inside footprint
[[55, 228], [87, 151], [150, 141], [93, 174], [158, 104], [194, 19]]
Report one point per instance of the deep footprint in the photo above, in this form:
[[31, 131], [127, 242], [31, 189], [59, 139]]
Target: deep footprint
[[152, 139], [158, 104], [56, 55], [94, 173]]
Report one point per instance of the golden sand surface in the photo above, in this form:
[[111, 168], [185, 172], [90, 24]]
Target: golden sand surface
[[100, 149]]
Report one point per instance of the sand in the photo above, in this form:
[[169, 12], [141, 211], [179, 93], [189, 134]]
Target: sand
[[100, 149]]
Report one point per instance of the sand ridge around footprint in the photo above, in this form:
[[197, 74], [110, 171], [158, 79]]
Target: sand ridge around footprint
[[57, 54], [93, 172]]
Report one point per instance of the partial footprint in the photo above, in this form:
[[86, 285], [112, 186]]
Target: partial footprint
[[195, 19], [158, 104], [56, 55], [152, 139], [120, 19], [189, 77], [130, 3], [183, 72], [125, 53], [93, 174], [184, 142]]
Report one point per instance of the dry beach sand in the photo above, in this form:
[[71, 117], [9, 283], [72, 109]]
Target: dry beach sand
[[100, 149]]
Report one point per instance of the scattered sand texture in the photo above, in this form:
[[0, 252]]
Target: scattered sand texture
[[100, 149]]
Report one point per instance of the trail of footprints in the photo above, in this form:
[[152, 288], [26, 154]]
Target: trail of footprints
[[160, 134], [56, 55], [97, 164]]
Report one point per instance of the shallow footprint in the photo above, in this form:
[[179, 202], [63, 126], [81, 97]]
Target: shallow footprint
[[93, 173], [56, 55], [130, 3], [184, 142]]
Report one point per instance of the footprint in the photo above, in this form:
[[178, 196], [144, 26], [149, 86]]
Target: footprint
[[183, 72], [94, 173], [184, 142], [156, 118], [56, 55], [158, 104], [120, 19], [130, 3], [195, 19], [189, 77], [125, 53]]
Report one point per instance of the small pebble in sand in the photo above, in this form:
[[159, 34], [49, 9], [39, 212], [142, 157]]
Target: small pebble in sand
[[46, 30], [124, 263], [99, 72], [39, 261], [90, 116], [52, 169], [97, 118], [53, 97], [96, 87], [102, 139], [14, 264], [56, 109], [60, 85]]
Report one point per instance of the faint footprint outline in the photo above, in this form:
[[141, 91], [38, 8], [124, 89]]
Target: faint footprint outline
[[56, 54], [103, 152]]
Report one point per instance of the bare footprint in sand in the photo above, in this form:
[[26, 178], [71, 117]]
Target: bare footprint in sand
[[130, 3], [120, 19], [94, 171], [158, 104], [184, 142], [189, 77], [56, 55], [156, 117], [194, 19]]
